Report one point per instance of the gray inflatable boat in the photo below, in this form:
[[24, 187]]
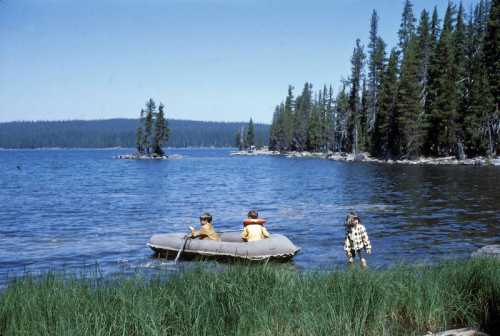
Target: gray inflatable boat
[[230, 245]]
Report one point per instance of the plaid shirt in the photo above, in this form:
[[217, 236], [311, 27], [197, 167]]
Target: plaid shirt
[[356, 239]]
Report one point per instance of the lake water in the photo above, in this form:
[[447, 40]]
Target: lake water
[[65, 209]]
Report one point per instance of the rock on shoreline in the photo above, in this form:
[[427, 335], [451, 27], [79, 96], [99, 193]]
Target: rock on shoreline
[[449, 160], [488, 251], [365, 157], [136, 156], [256, 152], [459, 332]]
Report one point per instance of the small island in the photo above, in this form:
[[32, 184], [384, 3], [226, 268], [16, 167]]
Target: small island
[[151, 135]]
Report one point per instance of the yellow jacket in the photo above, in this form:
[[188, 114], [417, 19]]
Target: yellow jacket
[[206, 231], [254, 232]]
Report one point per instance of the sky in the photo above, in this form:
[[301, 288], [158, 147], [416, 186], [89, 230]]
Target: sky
[[221, 60]]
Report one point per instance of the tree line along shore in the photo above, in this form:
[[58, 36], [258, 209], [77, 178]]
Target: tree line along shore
[[260, 300], [436, 94], [112, 133]]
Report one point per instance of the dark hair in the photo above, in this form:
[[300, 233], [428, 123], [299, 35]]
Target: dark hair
[[351, 217], [206, 216], [253, 214]]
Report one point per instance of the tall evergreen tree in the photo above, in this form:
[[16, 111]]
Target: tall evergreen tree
[[430, 128], [492, 50], [407, 27], [435, 26], [331, 121], [314, 136], [148, 125], [161, 133], [341, 119], [301, 118], [353, 122], [376, 51], [287, 120], [139, 136], [386, 118], [441, 138], [477, 103], [273, 131], [460, 50], [408, 106], [424, 50], [250, 136], [492, 62], [364, 141]]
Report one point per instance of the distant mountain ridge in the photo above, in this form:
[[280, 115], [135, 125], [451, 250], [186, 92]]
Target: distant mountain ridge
[[120, 133]]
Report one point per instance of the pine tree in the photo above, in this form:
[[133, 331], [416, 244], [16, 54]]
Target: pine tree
[[407, 27], [460, 50], [341, 120], [387, 102], [139, 137], [408, 105], [492, 50], [442, 135], [148, 125], [273, 131], [161, 133], [287, 120], [301, 118], [330, 121], [477, 103], [376, 51], [492, 63], [364, 141], [357, 63], [430, 126], [314, 128], [250, 135], [424, 50]]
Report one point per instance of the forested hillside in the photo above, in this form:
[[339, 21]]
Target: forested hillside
[[434, 94], [120, 133]]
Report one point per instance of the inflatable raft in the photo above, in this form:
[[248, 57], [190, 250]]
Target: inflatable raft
[[230, 245]]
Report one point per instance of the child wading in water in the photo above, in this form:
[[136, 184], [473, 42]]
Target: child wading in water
[[356, 239]]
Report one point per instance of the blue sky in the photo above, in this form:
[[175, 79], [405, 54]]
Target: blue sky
[[224, 60]]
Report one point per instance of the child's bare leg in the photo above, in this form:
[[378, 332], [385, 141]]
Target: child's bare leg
[[363, 262], [350, 260]]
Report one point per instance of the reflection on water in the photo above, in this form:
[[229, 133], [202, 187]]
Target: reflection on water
[[67, 208]]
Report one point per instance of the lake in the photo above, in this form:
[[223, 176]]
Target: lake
[[68, 209]]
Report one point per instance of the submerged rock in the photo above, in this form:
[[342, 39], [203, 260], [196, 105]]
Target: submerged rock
[[459, 332], [488, 251]]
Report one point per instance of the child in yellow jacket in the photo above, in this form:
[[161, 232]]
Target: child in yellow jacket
[[254, 229], [206, 228]]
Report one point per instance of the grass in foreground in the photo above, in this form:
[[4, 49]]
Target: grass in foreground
[[260, 300]]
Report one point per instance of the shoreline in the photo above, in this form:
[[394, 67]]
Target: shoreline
[[365, 157]]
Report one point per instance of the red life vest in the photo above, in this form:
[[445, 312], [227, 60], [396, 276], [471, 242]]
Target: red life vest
[[250, 221]]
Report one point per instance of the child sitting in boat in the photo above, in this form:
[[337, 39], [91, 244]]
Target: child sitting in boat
[[356, 239], [254, 229], [206, 228]]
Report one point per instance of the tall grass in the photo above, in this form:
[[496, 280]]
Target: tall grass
[[260, 300]]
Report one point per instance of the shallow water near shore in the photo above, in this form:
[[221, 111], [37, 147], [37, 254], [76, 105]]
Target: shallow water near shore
[[67, 209]]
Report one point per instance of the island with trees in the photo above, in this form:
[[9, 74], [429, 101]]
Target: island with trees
[[435, 95], [151, 134]]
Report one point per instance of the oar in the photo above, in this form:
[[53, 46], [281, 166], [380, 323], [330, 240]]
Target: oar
[[182, 247]]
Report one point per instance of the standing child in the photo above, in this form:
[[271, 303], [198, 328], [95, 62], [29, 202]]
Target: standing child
[[356, 239]]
